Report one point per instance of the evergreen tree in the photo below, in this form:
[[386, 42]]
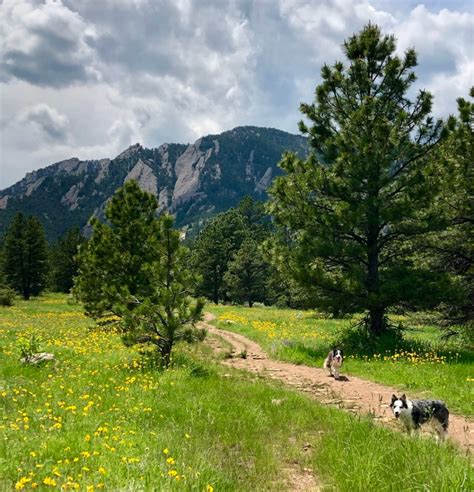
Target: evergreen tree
[[26, 256], [282, 286], [7, 295], [213, 249], [221, 239], [63, 259], [114, 263], [256, 223], [282, 290], [247, 274], [355, 205], [452, 249], [3, 279], [136, 269]]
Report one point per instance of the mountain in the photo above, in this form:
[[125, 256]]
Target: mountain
[[192, 181]]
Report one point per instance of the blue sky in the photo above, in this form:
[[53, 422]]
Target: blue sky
[[88, 78]]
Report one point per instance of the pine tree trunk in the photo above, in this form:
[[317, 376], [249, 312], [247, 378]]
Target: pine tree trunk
[[377, 322], [376, 312], [26, 293], [166, 353]]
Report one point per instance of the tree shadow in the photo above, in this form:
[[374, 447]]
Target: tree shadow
[[357, 341]]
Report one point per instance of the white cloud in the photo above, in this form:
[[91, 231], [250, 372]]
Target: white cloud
[[46, 44], [51, 124], [444, 42], [96, 76]]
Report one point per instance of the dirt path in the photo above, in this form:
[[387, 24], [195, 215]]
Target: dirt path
[[351, 393]]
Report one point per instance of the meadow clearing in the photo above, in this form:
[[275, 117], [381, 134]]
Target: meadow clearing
[[422, 364], [104, 417]]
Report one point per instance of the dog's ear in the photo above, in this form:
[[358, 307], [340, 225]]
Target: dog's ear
[[394, 399], [403, 397]]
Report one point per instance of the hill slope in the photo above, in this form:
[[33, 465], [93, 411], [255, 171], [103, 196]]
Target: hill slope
[[192, 181]]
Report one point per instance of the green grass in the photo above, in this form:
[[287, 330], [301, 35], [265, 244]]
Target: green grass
[[102, 417], [420, 363]]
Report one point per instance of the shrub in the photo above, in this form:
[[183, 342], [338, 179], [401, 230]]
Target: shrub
[[7, 296], [358, 340], [29, 346]]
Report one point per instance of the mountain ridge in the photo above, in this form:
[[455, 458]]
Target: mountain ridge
[[192, 181]]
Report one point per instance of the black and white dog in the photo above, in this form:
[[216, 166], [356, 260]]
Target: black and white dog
[[333, 362], [413, 413]]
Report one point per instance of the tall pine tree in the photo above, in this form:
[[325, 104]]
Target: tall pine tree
[[135, 268], [63, 260], [354, 206], [26, 256], [246, 276], [213, 249], [220, 239]]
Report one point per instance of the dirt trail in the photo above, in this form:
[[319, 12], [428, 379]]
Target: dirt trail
[[351, 393]]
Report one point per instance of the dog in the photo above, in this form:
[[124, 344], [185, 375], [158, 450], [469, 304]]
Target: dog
[[413, 413], [333, 362]]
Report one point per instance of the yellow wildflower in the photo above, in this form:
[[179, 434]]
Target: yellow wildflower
[[49, 481], [21, 484]]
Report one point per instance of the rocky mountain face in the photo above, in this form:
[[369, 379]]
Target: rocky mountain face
[[192, 181]]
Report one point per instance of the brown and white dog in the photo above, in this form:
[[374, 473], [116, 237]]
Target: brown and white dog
[[333, 362]]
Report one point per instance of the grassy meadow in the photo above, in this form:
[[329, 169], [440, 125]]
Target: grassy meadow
[[422, 364], [103, 417]]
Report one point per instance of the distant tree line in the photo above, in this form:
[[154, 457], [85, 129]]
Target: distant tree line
[[29, 265], [232, 257]]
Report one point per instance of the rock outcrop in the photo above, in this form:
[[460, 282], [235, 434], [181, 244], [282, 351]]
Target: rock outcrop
[[144, 176], [192, 181]]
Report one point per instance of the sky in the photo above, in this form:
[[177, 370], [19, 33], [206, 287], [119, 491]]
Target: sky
[[89, 78]]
